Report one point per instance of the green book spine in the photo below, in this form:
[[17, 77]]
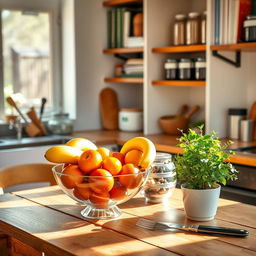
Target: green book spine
[[109, 28], [118, 28], [113, 28], [253, 11]]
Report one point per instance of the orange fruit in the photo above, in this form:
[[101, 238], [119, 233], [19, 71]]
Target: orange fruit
[[82, 191], [101, 181], [119, 156], [133, 157], [105, 152], [99, 200], [72, 176], [112, 164], [131, 176], [118, 192], [89, 160]]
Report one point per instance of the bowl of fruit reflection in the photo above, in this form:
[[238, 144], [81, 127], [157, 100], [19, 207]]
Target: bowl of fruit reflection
[[100, 191], [100, 179]]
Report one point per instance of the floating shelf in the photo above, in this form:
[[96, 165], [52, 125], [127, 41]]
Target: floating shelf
[[185, 48], [121, 2], [124, 50], [235, 47], [179, 83], [130, 80]]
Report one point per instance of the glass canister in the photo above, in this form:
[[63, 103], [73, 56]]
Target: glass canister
[[162, 180], [171, 69], [186, 69], [179, 31], [250, 29], [61, 124], [193, 28], [203, 27], [200, 69]]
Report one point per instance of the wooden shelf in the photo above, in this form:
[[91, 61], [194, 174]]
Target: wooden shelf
[[235, 47], [124, 50], [132, 80], [185, 48], [121, 2], [179, 83]]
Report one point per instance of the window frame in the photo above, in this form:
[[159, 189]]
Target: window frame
[[53, 8]]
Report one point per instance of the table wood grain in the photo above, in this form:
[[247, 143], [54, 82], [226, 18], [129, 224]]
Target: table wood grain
[[49, 220]]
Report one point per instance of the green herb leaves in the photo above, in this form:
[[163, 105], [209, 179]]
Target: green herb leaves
[[203, 163]]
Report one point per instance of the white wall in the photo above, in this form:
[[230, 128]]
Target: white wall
[[92, 65], [165, 100]]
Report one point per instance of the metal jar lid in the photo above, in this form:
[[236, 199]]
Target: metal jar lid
[[237, 111]]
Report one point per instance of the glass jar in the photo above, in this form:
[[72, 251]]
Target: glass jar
[[186, 67], [171, 69], [179, 29], [162, 180], [193, 28], [203, 28], [60, 124], [200, 69], [250, 29]]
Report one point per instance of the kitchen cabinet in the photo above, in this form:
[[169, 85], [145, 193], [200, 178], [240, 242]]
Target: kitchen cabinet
[[225, 87]]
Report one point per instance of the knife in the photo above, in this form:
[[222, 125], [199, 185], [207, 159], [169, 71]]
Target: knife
[[154, 225]]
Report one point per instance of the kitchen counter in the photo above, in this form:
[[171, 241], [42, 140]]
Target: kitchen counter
[[163, 142]]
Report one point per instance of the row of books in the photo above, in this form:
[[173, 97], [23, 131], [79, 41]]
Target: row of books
[[133, 68], [120, 28], [228, 17]]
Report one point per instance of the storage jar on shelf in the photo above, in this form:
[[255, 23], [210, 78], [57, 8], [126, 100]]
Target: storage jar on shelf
[[193, 28], [171, 69], [186, 69], [200, 69], [179, 35]]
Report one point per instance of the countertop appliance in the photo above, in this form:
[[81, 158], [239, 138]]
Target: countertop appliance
[[244, 188]]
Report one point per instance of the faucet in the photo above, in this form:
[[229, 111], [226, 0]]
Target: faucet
[[18, 126]]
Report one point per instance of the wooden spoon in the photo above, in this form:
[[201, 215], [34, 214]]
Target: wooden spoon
[[192, 111], [30, 128], [182, 110], [33, 117]]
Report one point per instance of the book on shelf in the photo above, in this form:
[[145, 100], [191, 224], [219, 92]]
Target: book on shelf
[[138, 75], [229, 16], [120, 27], [134, 41]]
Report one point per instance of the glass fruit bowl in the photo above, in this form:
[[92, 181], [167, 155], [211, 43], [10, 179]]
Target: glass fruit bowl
[[100, 191]]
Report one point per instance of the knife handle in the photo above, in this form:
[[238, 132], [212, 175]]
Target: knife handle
[[222, 230]]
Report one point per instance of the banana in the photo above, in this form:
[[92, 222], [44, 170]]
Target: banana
[[63, 154], [143, 144], [81, 143]]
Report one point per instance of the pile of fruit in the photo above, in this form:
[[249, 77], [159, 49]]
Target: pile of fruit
[[99, 175]]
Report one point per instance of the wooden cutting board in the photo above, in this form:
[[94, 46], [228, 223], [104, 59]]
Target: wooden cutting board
[[109, 109]]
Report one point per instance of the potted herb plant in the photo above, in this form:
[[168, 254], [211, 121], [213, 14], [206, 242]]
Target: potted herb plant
[[201, 169]]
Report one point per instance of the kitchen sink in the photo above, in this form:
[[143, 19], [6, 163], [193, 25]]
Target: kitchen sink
[[13, 142]]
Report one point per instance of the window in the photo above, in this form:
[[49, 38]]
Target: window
[[30, 71]]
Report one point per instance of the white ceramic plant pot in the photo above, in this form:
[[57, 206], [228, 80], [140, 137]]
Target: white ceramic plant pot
[[200, 204]]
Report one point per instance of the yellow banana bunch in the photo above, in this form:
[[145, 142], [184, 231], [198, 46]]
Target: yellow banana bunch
[[63, 154], [81, 143], [143, 144]]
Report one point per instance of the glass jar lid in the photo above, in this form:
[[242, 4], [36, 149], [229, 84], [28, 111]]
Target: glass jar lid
[[193, 15], [162, 157], [180, 16]]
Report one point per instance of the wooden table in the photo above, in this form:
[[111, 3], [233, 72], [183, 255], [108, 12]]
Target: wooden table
[[50, 221]]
